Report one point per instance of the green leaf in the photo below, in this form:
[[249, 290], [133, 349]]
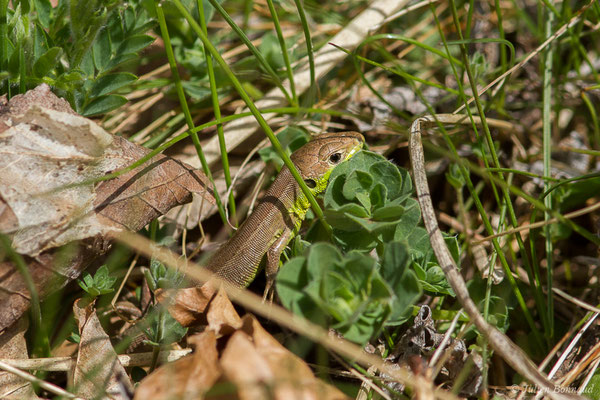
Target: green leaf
[[389, 213], [87, 65], [339, 218], [410, 218], [357, 181], [381, 190], [119, 59], [291, 284], [134, 44], [378, 195], [101, 50], [197, 90], [455, 177], [387, 173], [321, 257], [271, 51], [405, 285], [434, 280], [162, 328], [16, 25], [100, 284], [109, 83], [592, 390], [129, 19], [44, 11], [104, 104], [69, 77], [13, 61], [40, 41], [88, 280]]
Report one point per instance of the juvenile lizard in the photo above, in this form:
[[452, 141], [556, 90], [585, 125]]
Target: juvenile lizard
[[279, 214]]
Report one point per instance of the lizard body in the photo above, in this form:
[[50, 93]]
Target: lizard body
[[279, 214]]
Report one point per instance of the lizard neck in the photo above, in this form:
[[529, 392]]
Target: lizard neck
[[285, 191]]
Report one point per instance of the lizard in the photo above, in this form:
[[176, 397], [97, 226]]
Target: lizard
[[280, 212]]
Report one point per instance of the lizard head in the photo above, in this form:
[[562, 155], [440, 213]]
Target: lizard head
[[317, 158]]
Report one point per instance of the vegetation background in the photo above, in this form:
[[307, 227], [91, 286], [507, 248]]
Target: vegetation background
[[515, 190]]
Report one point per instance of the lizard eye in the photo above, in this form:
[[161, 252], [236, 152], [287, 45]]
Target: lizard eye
[[310, 183], [335, 158]]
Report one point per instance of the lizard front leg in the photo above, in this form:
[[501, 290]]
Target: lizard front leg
[[273, 254]]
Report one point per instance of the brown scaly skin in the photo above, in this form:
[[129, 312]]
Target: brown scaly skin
[[279, 214]]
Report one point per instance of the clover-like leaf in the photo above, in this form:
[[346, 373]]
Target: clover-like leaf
[[101, 283], [349, 293]]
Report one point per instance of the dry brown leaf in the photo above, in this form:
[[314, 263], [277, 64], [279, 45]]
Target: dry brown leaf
[[186, 305], [44, 145], [12, 346], [202, 306], [252, 365], [44, 150], [221, 315], [97, 369], [187, 378], [262, 368]]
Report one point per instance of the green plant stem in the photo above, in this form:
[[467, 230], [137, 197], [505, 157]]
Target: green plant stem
[[184, 106], [251, 47], [503, 60], [547, 155], [22, 69], [217, 110], [159, 337], [488, 295], [284, 52], [469, 18], [594, 116], [309, 46], [261, 121], [3, 41]]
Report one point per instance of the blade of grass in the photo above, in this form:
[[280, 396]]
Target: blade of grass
[[505, 42], [259, 118], [503, 60], [309, 46], [594, 116], [252, 48], [184, 106], [397, 72], [284, 52], [424, 46], [4, 43], [547, 156], [22, 69], [217, 110]]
